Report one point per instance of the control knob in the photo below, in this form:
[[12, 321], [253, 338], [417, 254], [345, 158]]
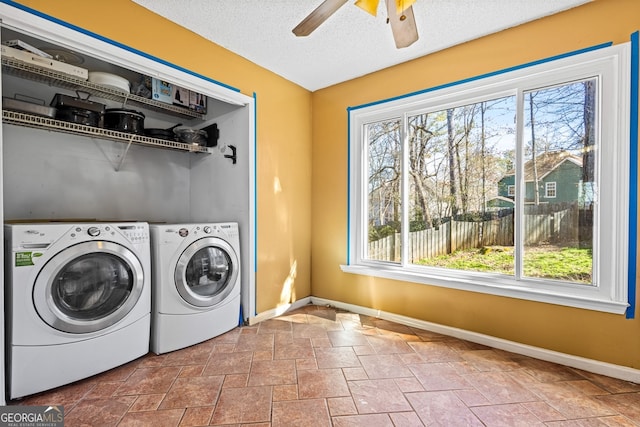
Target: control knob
[[93, 231]]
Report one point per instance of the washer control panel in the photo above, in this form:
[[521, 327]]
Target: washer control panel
[[137, 233]]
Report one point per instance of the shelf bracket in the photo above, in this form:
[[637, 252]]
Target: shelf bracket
[[124, 155], [116, 160], [124, 101]]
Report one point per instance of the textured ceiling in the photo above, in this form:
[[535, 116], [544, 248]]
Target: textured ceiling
[[351, 43]]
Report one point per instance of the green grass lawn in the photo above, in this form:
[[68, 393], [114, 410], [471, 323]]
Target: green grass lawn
[[551, 262]]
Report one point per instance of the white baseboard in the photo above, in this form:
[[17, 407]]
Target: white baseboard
[[589, 365], [275, 312]]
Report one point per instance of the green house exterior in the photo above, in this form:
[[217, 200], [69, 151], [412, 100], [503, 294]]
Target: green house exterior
[[559, 181]]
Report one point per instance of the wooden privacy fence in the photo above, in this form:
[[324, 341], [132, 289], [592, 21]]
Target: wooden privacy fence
[[562, 226]]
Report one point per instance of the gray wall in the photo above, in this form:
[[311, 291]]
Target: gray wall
[[49, 175]]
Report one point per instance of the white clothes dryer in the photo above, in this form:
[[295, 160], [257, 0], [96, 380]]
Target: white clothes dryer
[[78, 301], [196, 283]]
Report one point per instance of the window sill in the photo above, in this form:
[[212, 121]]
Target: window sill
[[489, 284]]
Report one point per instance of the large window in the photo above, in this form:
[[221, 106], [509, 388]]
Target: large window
[[494, 185]]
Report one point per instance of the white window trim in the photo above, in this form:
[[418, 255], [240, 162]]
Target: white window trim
[[548, 186], [609, 294]]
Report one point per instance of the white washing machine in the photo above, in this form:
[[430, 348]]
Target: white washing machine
[[78, 300], [196, 283]]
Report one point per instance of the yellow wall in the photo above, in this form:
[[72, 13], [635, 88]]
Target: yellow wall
[[302, 188], [283, 131], [585, 333]]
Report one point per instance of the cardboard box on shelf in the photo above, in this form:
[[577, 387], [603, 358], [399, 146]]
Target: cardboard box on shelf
[[179, 95], [197, 102], [40, 61], [161, 90], [20, 45]]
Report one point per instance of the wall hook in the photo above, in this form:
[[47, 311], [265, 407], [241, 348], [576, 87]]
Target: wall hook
[[232, 156]]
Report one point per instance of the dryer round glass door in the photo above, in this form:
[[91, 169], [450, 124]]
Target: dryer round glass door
[[88, 287], [206, 272]]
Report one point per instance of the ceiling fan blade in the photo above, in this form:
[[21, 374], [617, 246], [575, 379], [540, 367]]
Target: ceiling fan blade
[[405, 32], [401, 5], [317, 17], [369, 6]]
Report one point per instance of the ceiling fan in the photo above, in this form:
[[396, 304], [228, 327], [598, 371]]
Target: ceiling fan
[[399, 16]]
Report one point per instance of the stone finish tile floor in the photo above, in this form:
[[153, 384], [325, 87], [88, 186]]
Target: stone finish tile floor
[[319, 366]]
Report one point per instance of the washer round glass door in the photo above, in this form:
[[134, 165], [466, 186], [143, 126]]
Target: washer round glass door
[[88, 287], [206, 272]]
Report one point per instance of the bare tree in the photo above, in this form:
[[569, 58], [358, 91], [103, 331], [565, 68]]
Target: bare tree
[[384, 171], [452, 166], [419, 140], [589, 139], [534, 154]]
